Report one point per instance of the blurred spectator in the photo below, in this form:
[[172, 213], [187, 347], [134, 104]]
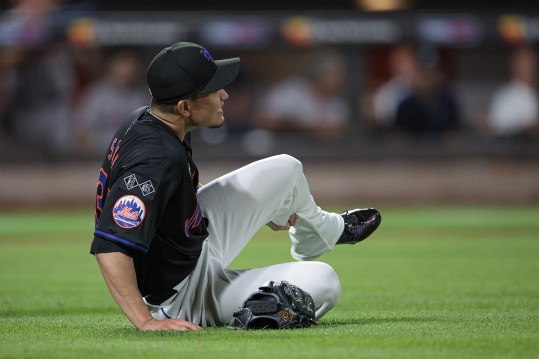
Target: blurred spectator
[[404, 73], [8, 79], [109, 101], [311, 103], [88, 67], [514, 109], [40, 75], [431, 107], [239, 108]]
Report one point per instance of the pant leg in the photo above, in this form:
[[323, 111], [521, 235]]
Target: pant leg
[[238, 204], [317, 278]]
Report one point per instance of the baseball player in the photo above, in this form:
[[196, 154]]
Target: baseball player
[[163, 242]]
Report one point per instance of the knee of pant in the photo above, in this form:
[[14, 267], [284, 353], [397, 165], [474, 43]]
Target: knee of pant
[[292, 164], [330, 285]]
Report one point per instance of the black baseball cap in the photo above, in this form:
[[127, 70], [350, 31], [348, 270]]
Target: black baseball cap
[[186, 69]]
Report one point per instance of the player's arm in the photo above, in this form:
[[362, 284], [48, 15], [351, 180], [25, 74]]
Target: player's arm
[[119, 273]]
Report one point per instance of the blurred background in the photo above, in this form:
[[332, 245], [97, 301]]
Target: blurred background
[[384, 101]]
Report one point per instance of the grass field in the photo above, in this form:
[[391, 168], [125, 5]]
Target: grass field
[[451, 282]]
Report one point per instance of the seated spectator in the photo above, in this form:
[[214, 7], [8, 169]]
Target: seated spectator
[[311, 103], [109, 101], [38, 78], [8, 80], [404, 72], [514, 109], [431, 107]]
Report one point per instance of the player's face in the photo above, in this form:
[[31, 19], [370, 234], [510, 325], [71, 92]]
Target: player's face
[[207, 109]]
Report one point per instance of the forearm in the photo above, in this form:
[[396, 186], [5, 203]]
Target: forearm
[[119, 273]]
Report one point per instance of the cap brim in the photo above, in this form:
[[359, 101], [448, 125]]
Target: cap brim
[[226, 73]]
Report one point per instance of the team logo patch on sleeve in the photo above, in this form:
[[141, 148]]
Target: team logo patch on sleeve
[[129, 211]]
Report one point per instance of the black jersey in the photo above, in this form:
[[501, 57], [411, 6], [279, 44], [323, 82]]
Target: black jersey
[[146, 204]]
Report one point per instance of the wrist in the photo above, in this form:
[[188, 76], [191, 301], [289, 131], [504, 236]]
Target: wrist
[[145, 324]]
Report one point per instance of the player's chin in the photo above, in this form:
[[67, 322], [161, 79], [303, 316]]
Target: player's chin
[[218, 123]]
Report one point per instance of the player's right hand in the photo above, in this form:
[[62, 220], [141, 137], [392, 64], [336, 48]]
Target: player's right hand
[[170, 324], [291, 222]]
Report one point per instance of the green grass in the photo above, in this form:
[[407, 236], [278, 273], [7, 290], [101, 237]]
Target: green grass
[[451, 282]]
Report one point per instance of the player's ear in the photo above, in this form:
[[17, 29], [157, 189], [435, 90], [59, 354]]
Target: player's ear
[[184, 107]]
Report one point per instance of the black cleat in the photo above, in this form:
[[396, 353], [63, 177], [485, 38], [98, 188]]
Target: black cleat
[[359, 224]]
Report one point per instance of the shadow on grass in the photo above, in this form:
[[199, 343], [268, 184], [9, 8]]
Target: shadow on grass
[[369, 321], [128, 331]]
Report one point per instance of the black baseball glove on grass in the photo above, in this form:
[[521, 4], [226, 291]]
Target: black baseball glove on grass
[[275, 306]]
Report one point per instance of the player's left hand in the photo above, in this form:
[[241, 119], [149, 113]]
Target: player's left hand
[[170, 324], [291, 221]]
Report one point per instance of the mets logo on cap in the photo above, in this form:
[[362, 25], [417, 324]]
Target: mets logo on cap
[[129, 211], [206, 54]]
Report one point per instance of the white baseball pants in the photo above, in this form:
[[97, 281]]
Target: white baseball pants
[[237, 205]]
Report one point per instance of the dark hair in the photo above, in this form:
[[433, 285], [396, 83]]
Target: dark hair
[[164, 107], [169, 107]]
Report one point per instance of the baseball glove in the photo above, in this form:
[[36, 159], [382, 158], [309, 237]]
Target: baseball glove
[[275, 306]]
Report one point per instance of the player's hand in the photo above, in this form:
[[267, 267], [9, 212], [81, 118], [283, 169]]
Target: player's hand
[[291, 221], [170, 324]]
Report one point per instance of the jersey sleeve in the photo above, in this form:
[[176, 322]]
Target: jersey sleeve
[[101, 245], [133, 208]]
